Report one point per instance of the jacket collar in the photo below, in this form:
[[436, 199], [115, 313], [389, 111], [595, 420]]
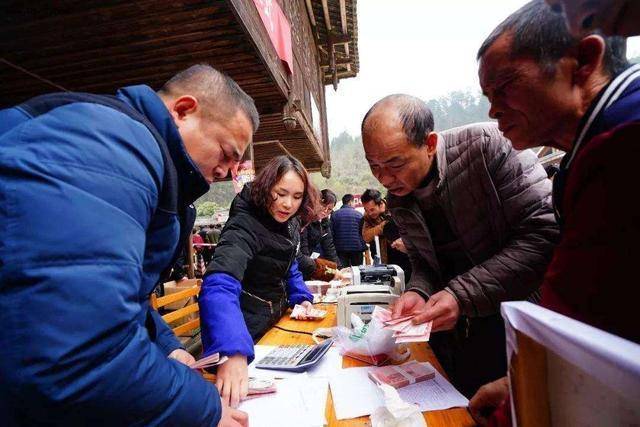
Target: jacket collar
[[590, 123], [191, 183]]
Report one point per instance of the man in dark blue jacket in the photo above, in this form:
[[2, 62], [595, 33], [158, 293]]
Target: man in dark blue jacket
[[79, 343], [346, 225]]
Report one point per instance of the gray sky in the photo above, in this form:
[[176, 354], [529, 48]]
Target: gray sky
[[423, 47]]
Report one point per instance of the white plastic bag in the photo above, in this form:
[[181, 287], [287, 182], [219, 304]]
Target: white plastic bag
[[396, 412], [367, 342]]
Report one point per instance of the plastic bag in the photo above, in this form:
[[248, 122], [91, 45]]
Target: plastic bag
[[369, 342], [396, 412]]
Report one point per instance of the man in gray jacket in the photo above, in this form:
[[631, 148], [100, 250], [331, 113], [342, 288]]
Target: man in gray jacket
[[476, 218]]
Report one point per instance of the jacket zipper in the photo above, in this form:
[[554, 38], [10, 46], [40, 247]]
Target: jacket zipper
[[269, 303]]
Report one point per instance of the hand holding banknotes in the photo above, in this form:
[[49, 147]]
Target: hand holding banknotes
[[409, 303], [305, 311], [442, 309]]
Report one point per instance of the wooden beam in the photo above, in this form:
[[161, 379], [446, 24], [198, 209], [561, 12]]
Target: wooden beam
[[259, 143], [327, 17], [283, 148], [251, 23], [312, 17], [343, 19], [343, 16]]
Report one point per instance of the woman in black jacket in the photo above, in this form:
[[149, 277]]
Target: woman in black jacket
[[254, 277], [317, 237]]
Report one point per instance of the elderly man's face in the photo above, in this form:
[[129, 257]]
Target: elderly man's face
[[395, 161], [532, 107], [613, 17]]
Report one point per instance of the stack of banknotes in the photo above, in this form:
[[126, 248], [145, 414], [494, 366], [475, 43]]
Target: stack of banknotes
[[208, 361], [402, 375], [403, 328], [259, 387], [302, 313]]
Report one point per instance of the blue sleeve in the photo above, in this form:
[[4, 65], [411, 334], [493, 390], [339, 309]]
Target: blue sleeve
[[165, 338], [223, 327], [297, 290], [78, 187]]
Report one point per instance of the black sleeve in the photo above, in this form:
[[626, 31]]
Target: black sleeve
[[179, 270], [306, 265], [326, 242]]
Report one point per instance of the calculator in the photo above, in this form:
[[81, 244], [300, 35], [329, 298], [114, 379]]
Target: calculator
[[294, 358]]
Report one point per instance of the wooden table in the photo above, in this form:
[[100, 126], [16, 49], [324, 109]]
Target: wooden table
[[419, 351]]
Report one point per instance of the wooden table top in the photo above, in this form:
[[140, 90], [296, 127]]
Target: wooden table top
[[419, 351]]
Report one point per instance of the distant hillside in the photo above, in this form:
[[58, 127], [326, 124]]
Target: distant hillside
[[350, 171]]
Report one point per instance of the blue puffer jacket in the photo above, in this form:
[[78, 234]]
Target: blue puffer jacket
[[81, 248], [346, 225]]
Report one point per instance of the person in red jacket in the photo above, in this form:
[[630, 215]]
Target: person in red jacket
[[581, 96]]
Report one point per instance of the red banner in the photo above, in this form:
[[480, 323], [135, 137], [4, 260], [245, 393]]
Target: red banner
[[279, 29]]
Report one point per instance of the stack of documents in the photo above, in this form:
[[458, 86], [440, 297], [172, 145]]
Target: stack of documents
[[299, 402], [300, 399]]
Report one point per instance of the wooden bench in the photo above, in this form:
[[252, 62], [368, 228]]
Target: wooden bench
[[189, 295]]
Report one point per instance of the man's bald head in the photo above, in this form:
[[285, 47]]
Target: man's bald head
[[399, 142], [410, 112]]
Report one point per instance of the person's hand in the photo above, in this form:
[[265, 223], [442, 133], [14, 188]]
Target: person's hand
[[182, 356], [307, 305], [232, 380], [409, 303], [233, 417], [441, 308], [398, 245], [487, 399]]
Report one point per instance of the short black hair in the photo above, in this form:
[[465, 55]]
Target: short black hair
[[327, 196], [371, 195], [217, 90], [416, 117], [542, 34], [347, 198]]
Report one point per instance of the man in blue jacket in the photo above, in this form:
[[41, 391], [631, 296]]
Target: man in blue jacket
[[79, 344], [346, 225]]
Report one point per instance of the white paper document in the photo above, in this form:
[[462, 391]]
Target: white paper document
[[330, 363], [355, 395], [299, 401]]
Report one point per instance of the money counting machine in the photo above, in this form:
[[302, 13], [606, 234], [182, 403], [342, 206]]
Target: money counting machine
[[371, 286]]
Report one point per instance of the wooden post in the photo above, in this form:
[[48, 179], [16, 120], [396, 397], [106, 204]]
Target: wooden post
[[529, 390]]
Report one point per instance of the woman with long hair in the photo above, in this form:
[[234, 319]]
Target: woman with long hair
[[253, 277]]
